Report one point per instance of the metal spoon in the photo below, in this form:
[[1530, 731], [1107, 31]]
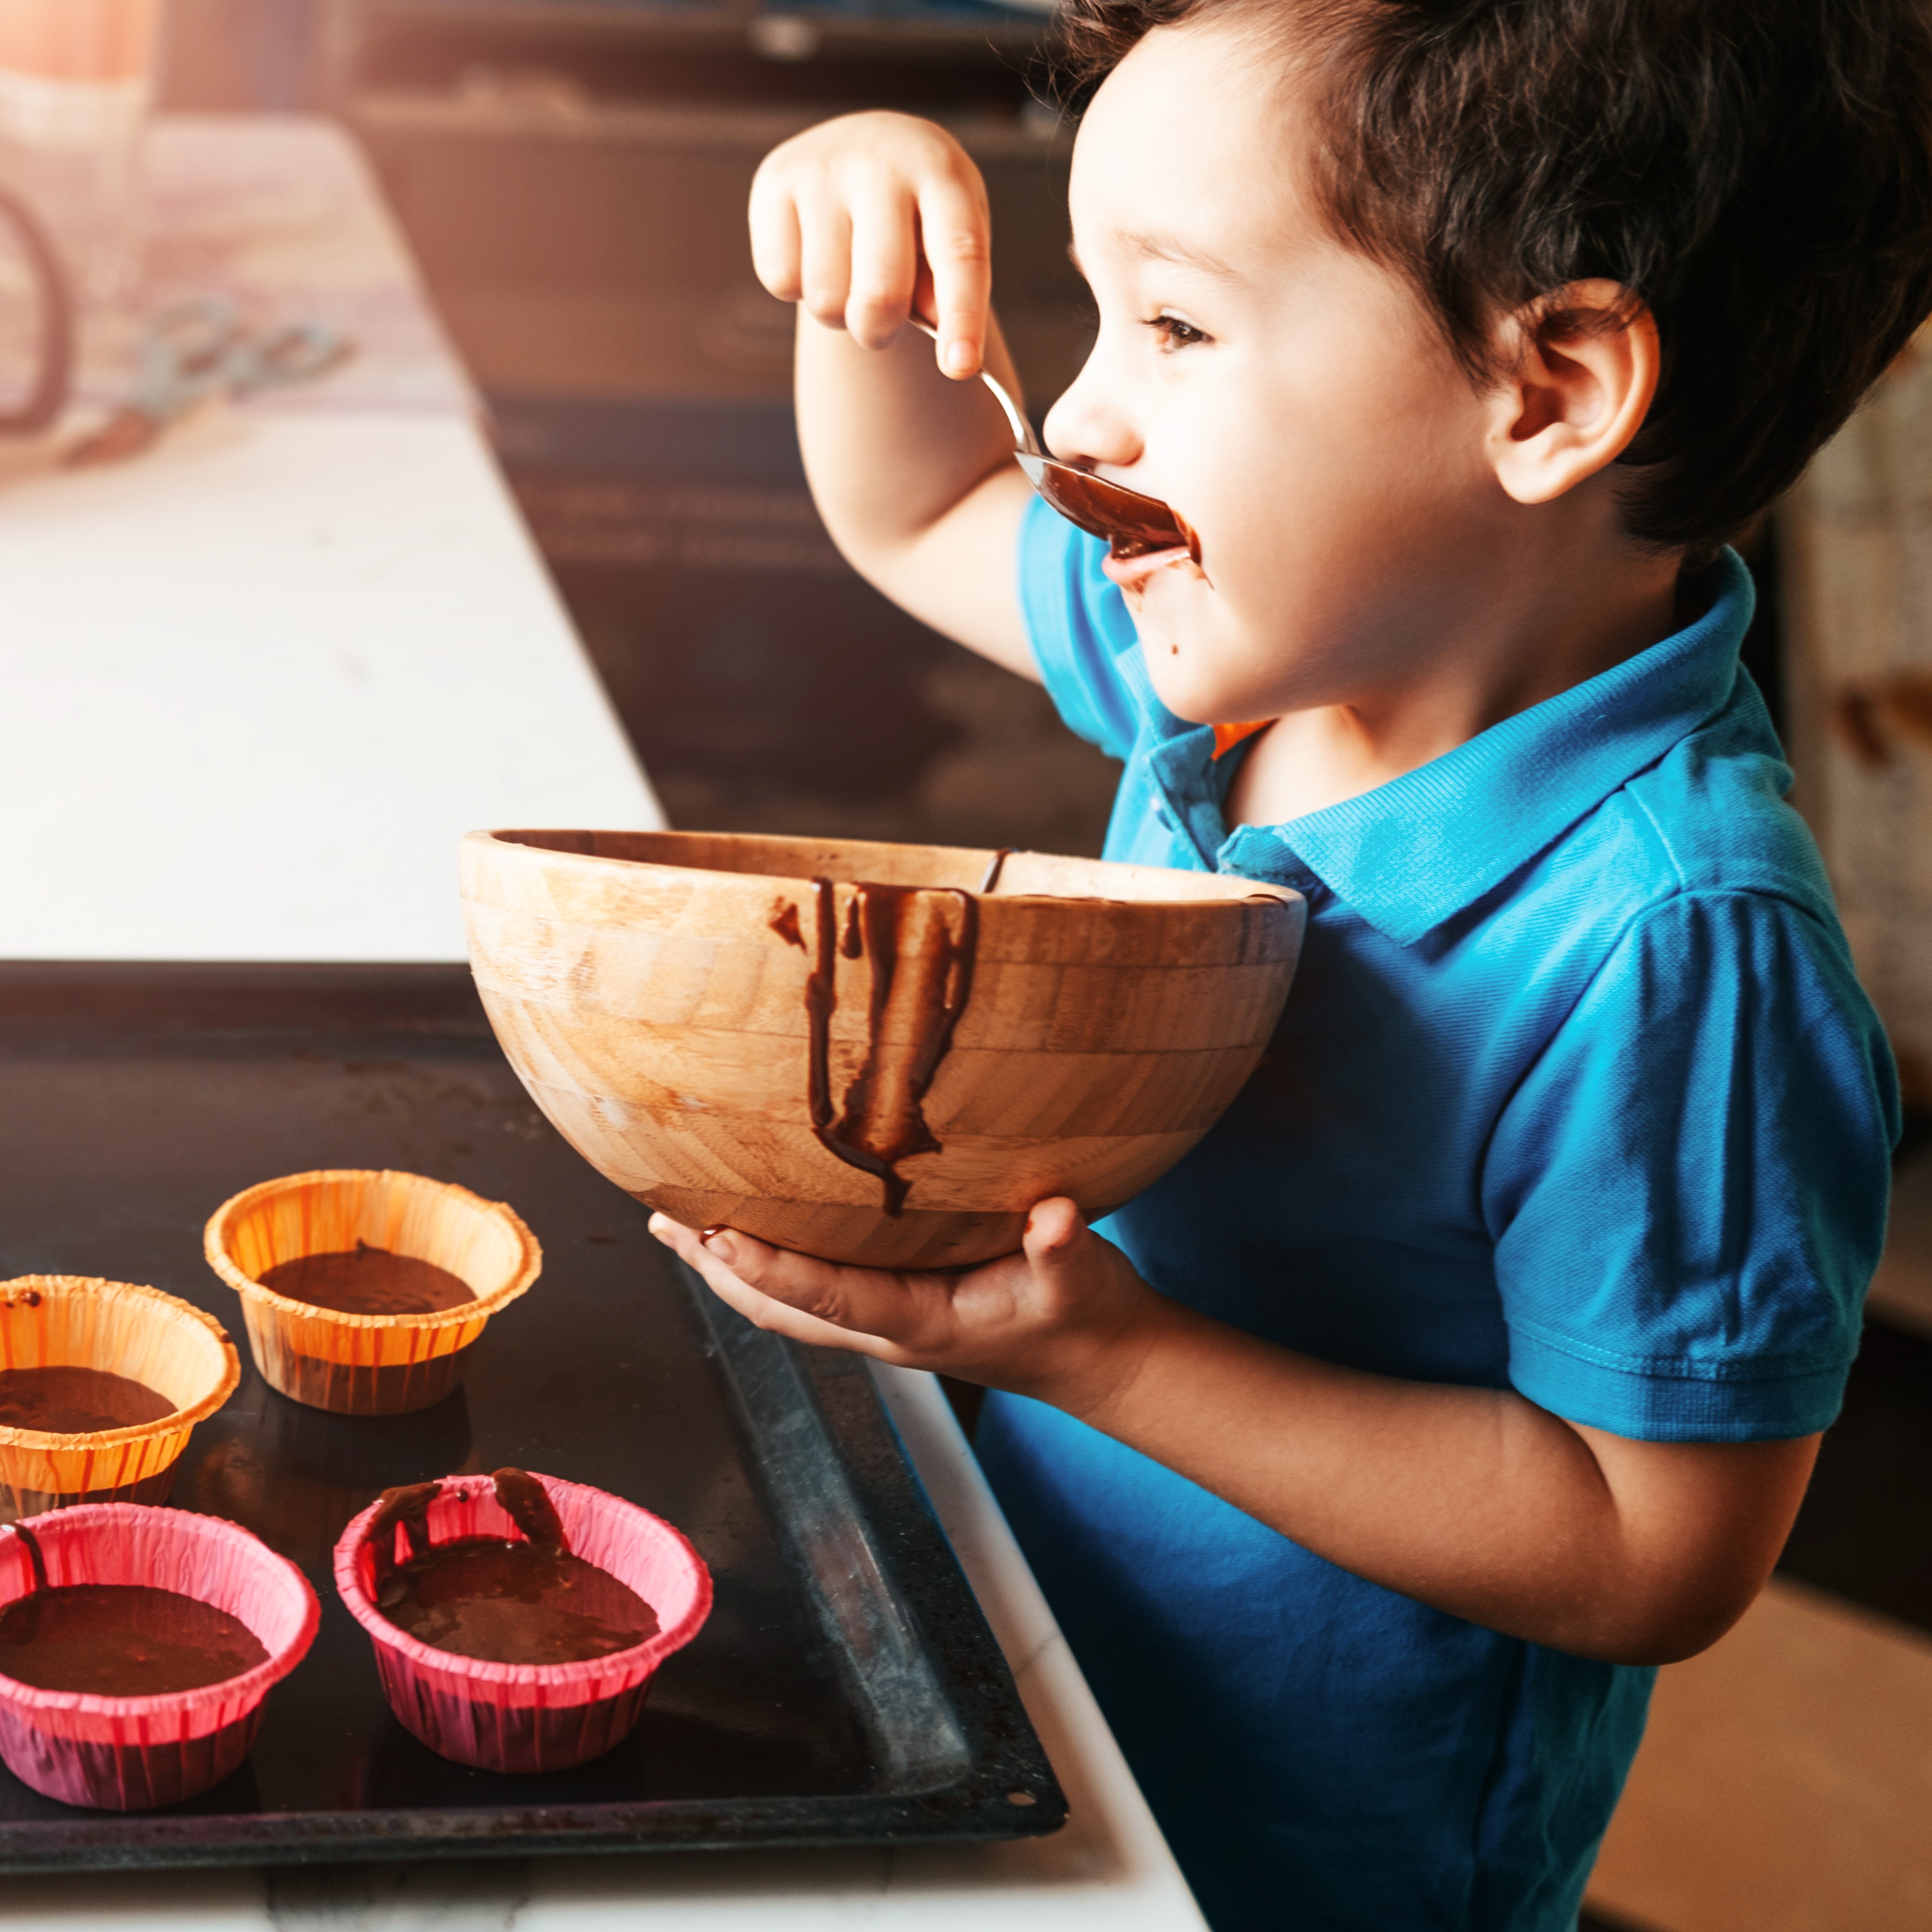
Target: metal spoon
[[1133, 524]]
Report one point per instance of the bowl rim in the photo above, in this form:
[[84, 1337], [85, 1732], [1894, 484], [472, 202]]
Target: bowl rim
[[588, 1671], [215, 1248], [253, 1684], [1250, 891], [177, 1420]]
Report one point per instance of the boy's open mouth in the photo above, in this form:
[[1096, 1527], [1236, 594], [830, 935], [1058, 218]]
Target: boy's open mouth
[[1130, 573]]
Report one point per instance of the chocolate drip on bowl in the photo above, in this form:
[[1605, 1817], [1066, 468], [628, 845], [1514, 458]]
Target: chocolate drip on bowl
[[921, 976]]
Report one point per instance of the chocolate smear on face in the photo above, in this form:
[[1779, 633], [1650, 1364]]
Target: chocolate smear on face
[[69, 1400], [920, 942], [123, 1640], [366, 1280]]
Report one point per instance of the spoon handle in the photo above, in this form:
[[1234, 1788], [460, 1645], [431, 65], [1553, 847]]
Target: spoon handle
[[1022, 430]]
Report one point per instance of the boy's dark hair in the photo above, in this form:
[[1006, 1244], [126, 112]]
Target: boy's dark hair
[[1758, 172]]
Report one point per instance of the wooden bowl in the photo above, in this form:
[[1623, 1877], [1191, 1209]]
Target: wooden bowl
[[879, 1053]]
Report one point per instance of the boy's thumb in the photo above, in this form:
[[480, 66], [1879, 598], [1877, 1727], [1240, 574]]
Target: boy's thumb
[[1056, 1230]]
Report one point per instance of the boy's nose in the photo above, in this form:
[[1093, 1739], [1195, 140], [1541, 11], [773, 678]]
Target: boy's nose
[[1085, 427]]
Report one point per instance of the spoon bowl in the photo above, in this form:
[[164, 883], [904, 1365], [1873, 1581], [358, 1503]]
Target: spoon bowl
[[1133, 525]]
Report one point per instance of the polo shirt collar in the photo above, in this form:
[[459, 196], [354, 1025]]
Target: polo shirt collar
[[1422, 848]]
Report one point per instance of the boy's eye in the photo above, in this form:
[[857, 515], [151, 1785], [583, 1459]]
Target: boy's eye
[[1175, 333]]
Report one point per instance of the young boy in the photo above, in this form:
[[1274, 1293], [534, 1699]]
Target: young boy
[[1475, 1362]]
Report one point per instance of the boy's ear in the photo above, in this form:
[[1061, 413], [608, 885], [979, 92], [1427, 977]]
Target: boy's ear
[[1579, 392]]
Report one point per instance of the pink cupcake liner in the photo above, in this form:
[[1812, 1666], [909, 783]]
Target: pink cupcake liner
[[531, 1716], [129, 1753]]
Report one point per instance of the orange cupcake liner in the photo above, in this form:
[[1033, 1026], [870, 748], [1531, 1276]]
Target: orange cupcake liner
[[367, 1364], [74, 1321]]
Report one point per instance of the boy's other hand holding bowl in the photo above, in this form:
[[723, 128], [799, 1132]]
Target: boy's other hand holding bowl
[[1066, 1319]]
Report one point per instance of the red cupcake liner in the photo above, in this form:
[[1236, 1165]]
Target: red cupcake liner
[[526, 1717], [129, 1753]]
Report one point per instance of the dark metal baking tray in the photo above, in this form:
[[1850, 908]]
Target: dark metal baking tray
[[846, 1690]]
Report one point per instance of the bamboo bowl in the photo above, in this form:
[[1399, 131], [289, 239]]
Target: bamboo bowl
[[1081, 1025], [367, 1364], [65, 1321]]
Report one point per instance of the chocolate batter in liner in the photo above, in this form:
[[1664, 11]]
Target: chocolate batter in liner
[[500, 1600]]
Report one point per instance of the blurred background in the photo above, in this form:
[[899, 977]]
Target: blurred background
[[571, 175], [572, 178]]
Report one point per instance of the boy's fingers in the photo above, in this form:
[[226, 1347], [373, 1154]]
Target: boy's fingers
[[863, 1301], [769, 1312], [954, 234], [851, 1305], [825, 270], [1056, 1230], [773, 217], [780, 1318], [885, 263]]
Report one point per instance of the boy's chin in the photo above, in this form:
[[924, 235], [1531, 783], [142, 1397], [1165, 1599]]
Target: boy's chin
[[1188, 688]]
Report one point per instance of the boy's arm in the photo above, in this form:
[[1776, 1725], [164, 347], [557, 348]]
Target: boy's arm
[[863, 221], [1474, 1500]]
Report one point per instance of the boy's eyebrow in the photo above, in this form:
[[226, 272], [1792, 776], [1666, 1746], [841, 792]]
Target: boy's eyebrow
[[1155, 245]]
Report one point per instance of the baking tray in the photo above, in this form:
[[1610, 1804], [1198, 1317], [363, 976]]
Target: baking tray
[[846, 1689]]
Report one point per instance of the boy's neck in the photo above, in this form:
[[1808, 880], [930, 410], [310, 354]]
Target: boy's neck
[[1536, 639]]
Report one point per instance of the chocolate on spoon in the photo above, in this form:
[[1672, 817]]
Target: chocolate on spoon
[[1134, 525]]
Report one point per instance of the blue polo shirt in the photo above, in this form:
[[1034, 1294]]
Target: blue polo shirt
[[1576, 1093]]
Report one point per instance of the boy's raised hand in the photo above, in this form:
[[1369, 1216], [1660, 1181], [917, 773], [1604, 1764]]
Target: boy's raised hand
[[1067, 1318], [874, 217]]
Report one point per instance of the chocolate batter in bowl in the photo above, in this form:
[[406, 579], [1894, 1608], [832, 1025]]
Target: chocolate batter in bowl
[[100, 1383], [363, 1291], [551, 1581]]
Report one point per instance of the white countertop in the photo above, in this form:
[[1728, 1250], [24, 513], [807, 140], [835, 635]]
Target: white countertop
[[255, 685]]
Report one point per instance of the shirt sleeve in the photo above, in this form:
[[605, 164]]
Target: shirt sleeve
[[1078, 625], [1688, 1191]]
